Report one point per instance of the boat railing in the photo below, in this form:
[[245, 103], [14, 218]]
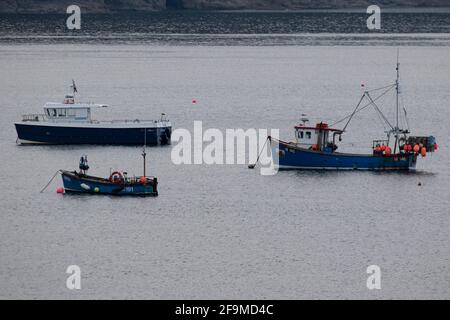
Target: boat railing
[[378, 143], [130, 121], [33, 117], [132, 180], [43, 117]]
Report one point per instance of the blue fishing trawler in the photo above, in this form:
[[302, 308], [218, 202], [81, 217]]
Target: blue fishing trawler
[[315, 147], [71, 123]]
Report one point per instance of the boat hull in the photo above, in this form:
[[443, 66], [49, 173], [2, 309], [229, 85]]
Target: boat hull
[[33, 133], [76, 183], [289, 156]]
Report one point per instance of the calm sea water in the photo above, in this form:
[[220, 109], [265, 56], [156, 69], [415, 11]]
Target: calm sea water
[[225, 231]]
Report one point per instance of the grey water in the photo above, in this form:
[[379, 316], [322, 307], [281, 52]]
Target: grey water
[[224, 231]]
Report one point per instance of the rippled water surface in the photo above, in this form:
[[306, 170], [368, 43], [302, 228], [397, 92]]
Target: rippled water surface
[[406, 27], [225, 231]]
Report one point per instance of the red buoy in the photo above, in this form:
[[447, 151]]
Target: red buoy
[[387, 151], [60, 190], [383, 147], [194, 101], [435, 146], [143, 180], [423, 151]]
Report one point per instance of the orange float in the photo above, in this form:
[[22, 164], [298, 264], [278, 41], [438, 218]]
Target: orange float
[[423, 151]]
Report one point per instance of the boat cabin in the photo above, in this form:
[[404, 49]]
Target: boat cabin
[[67, 111], [320, 137]]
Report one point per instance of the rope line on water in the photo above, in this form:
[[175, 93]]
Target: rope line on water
[[46, 186], [251, 166]]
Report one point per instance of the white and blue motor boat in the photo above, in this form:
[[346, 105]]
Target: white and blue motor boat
[[71, 123]]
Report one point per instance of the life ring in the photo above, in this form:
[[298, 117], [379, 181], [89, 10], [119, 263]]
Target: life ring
[[116, 177]]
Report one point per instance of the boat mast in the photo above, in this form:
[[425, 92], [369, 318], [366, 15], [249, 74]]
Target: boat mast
[[144, 154], [397, 89]]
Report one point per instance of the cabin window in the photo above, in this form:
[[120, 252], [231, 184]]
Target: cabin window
[[300, 134], [308, 134], [61, 112], [71, 112], [53, 112], [82, 113]]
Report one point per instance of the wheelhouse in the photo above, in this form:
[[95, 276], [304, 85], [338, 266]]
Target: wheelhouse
[[320, 137], [67, 112]]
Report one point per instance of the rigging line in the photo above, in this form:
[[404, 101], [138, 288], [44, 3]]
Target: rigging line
[[406, 119], [354, 111], [378, 109], [346, 117], [381, 120], [404, 112], [391, 85]]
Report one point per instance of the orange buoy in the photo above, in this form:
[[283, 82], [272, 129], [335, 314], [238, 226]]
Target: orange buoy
[[60, 190], [387, 151], [423, 151], [383, 147], [416, 148], [143, 180]]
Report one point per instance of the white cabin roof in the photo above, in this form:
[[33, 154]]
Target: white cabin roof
[[59, 105]]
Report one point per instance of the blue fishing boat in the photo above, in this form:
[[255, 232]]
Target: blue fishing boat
[[315, 147], [118, 183], [71, 123]]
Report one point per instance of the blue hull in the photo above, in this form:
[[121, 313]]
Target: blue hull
[[75, 183], [40, 134], [291, 156]]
